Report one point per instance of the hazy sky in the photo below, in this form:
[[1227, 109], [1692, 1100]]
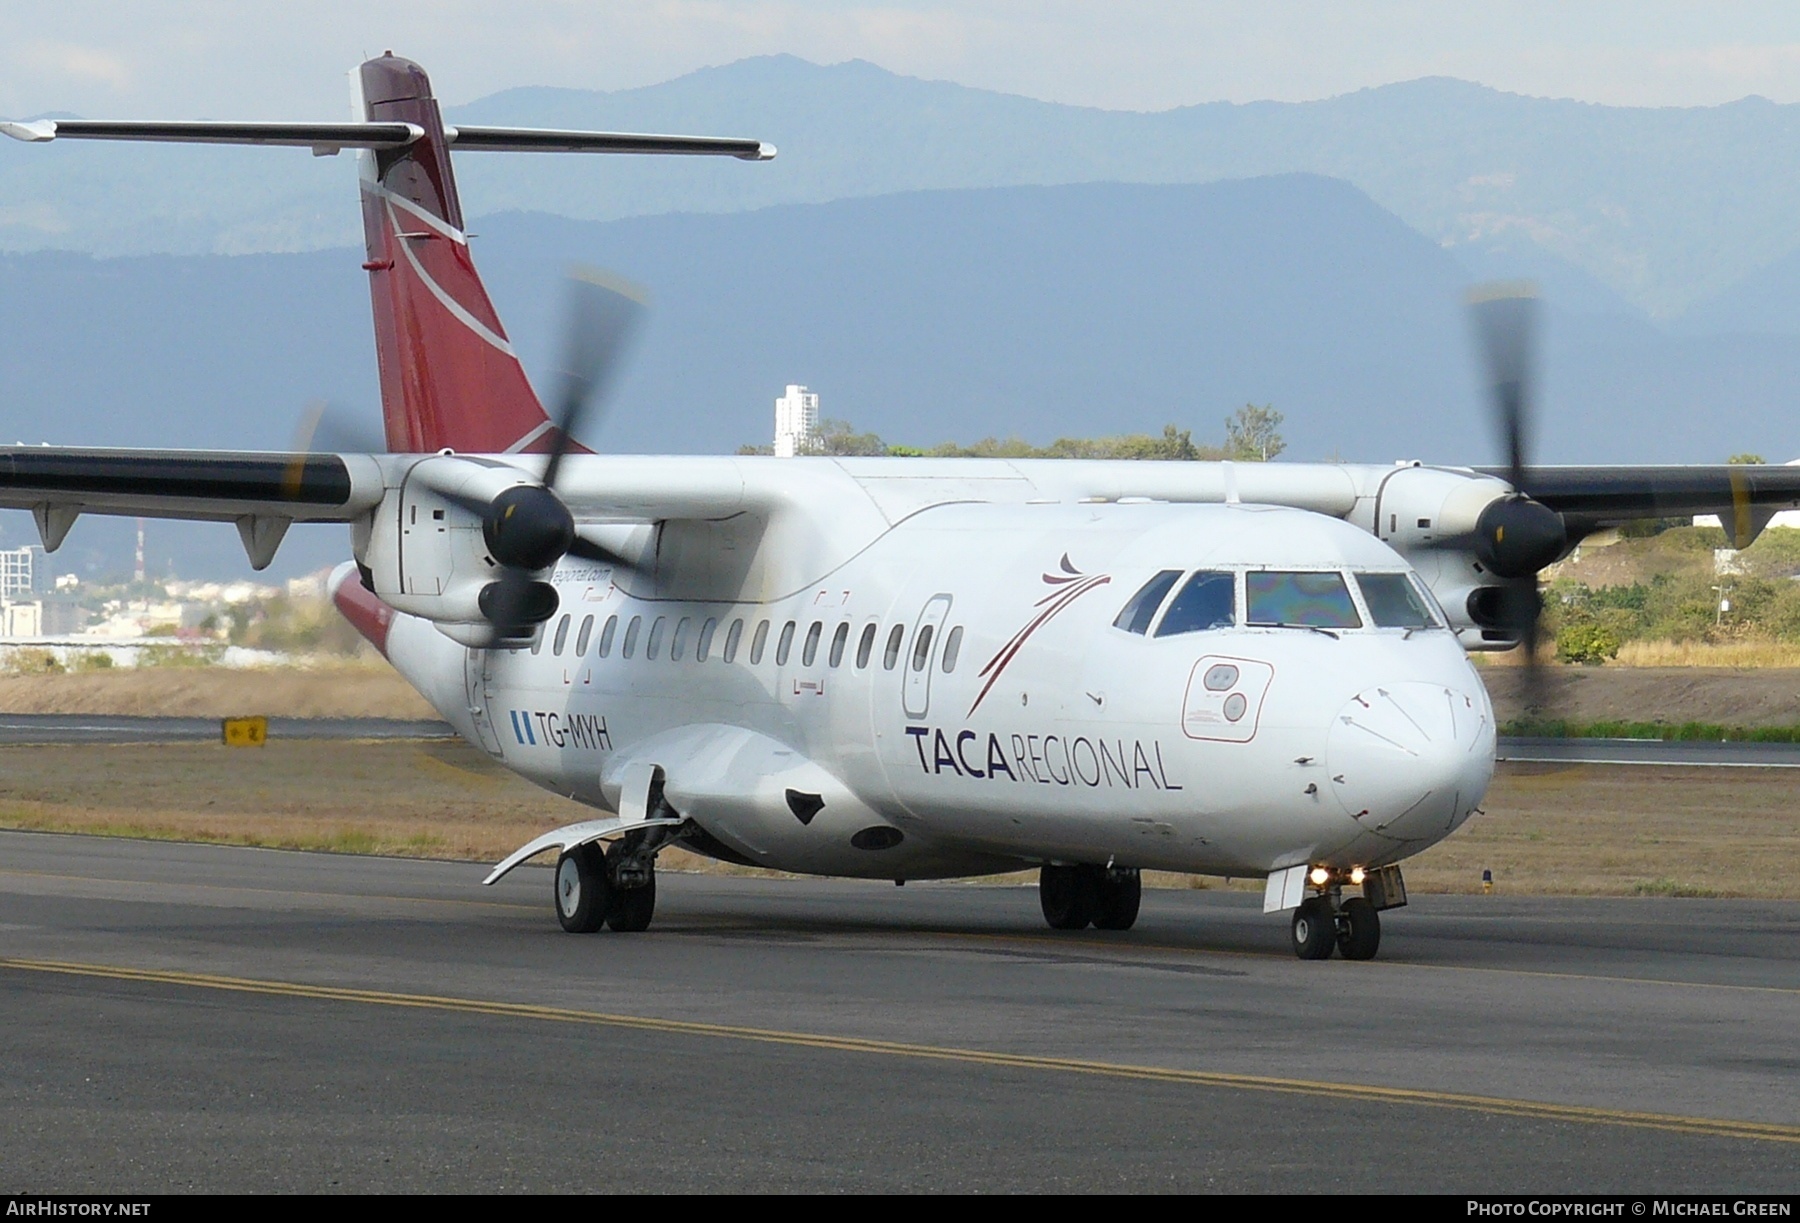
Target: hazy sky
[[256, 59]]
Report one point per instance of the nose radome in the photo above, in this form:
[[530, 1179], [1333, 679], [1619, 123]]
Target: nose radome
[[1409, 761]]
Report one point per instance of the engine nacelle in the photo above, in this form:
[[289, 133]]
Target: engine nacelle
[[430, 546], [1425, 513]]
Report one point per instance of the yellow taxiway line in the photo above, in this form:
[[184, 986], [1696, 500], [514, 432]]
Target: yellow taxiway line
[[1361, 1092]]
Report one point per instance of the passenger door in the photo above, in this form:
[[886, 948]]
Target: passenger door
[[921, 653]]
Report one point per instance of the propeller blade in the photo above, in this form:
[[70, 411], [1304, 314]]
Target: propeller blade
[[1505, 317], [330, 428], [604, 314]]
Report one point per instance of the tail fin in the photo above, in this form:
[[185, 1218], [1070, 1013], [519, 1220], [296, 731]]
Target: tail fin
[[449, 377], [448, 374]]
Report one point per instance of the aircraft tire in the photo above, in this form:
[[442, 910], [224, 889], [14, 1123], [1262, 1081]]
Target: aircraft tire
[[632, 908], [1119, 900], [581, 891], [1359, 930], [1068, 895], [1314, 931]]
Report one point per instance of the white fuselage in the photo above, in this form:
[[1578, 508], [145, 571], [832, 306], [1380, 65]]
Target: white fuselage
[[1026, 729]]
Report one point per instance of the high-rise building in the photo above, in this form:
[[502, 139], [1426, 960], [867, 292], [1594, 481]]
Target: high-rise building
[[796, 421], [22, 571]]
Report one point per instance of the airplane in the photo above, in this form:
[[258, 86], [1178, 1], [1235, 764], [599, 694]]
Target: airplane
[[892, 668]]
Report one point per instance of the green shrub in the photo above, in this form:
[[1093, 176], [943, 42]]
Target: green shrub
[[1586, 641]]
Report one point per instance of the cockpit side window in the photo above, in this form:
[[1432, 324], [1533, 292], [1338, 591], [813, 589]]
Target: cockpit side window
[[1394, 602], [1207, 601], [1136, 615], [1300, 600]]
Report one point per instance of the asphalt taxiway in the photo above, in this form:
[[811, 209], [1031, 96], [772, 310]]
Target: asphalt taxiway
[[198, 1017]]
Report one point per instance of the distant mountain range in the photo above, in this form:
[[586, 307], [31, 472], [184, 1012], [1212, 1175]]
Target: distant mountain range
[[925, 316], [1665, 207]]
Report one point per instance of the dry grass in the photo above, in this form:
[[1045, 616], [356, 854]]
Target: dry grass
[[1607, 830], [1584, 830], [1757, 654], [348, 689]]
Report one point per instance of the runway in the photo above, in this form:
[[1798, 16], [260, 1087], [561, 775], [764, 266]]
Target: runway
[[48, 728], [198, 1017]]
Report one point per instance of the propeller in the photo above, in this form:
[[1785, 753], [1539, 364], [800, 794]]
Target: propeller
[[325, 427], [528, 528], [1517, 535]]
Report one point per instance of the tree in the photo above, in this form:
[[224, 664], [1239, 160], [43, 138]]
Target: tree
[[1251, 434], [840, 439], [1746, 460]]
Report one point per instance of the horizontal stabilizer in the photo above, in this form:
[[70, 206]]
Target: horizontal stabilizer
[[328, 138], [321, 137], [546, 140]]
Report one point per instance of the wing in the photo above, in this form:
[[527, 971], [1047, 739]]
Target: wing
[[1745, 496], [263, 493]]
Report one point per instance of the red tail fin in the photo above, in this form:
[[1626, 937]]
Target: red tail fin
[[448, 374]]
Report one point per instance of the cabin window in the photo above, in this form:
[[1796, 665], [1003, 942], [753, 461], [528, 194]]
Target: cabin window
[[631, 635], [758, 641], [922, 649], [952, 647], [704, 646], [654, 646], [811, 650], [606, 636], [1301, 600], [785, 645], [1207, 601], [678, 646], [838, 640], [733, 635], [865, 646], [582, 638], [891, 655], [562, 636], [1136, 615], [1393, 601]]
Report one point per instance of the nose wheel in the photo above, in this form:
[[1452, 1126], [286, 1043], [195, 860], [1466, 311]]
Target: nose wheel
[[1314, 930], [1353, 930]]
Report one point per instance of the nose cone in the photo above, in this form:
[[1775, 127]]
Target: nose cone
[[1409, 761]]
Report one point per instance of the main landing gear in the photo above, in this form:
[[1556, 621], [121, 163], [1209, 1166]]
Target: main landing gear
[[616, 886], [1075, 897]]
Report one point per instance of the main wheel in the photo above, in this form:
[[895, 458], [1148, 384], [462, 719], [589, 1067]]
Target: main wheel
[[1358, 930], [1314, 931], [1120, 896], [632, 908], [1069, 897], [581, 889]]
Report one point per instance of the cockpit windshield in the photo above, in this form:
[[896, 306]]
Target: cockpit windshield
[[1208, 601], [1136, 615], [1394, 602], [1300, 600]]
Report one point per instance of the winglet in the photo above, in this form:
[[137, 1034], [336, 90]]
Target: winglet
[[36, 132]]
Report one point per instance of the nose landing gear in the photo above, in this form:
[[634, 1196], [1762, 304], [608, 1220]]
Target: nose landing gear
[[1320, 927]]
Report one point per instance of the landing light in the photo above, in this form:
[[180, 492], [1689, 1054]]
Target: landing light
[[1356, 875], [1320, 876]]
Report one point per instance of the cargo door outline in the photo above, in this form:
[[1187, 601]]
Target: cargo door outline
[[916, 688], [477, 675]]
